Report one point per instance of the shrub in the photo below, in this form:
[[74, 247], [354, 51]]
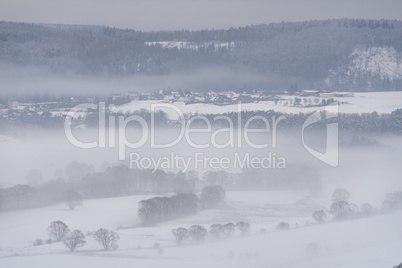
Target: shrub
[[38, 242], [282, 226], [73, 199]]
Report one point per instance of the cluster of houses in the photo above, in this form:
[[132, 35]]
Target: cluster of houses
[[31, 112], [221, 97], [211, 97], [14, 111]]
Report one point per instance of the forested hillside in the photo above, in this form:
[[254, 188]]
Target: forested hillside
[[341, 54]]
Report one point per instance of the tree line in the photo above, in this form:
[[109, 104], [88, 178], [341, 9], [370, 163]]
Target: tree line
[[81, 182], [299, 53], [158, 209]]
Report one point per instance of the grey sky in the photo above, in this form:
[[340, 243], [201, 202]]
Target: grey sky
[[191, 14]]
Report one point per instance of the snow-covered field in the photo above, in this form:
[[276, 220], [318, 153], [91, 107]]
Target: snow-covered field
[[381, 102], [370, 242]]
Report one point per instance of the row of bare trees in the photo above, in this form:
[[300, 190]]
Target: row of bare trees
[[341, 208], [58, 231], [198, 233]]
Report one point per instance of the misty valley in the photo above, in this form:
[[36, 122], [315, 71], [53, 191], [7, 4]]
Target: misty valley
[[271, 145]]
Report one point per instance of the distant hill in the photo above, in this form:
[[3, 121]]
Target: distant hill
[[338, 54]]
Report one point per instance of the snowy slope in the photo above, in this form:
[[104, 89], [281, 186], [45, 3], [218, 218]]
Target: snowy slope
[[379, 64], [384, 62], [371, 242]]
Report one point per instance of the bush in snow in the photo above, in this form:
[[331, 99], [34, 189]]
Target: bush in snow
[[108, 239], [58, 230], [38, 242], [282, 226], [73, 199], [74, 239], [319, 216]]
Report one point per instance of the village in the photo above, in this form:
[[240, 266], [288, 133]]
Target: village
[[223, 97], [51, 110]]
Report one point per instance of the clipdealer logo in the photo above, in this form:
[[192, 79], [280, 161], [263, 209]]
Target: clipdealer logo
[[331, 154]]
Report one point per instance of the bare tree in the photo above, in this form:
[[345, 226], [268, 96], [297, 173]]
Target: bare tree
[[244, 227], [216, 230], [58, 230], [319, 215], [74, 239], [197, 233], [180, 234], [228, 229], [340, 195], [341, 210], [108, 239], [73, 199]]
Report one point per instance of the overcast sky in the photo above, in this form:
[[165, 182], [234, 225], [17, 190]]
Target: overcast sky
[[191, 14]]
